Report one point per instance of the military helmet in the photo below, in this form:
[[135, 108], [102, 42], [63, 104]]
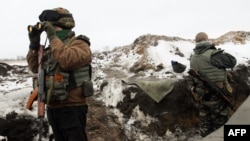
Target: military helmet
[[178, 67], [201, 36], [59, 17]]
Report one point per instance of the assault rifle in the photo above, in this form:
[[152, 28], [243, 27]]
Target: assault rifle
[[38, 93], [41, 91], [211, 86]]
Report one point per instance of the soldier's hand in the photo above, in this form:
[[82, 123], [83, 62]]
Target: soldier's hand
[[50, 30], [34, 37]]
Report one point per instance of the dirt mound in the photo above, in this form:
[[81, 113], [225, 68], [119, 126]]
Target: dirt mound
[[102, 125], [21, 127], [7, 70], [236, 37], [4, 68], [177, 112], [178, 109]]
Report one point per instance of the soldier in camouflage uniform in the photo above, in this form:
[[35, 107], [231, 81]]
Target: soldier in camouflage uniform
[[212, 63]]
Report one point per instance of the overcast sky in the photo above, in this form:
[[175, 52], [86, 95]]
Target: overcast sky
[[111, 23]]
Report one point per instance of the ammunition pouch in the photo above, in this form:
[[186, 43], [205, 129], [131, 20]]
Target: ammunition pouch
[[56, 87], [229, 87], [226, 87], [88, 89]]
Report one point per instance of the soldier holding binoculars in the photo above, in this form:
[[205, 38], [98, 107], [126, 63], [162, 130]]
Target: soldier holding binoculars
[[67, 73]]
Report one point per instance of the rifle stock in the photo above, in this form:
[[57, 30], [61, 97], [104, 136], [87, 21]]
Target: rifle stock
[[32, 98], [210, 85]]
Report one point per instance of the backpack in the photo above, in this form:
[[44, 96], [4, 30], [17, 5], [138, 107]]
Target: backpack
[[223, 60]]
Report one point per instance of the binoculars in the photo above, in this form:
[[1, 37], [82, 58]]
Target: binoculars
[[38, 26]]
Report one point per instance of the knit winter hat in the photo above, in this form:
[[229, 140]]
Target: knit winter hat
[[201, 36], [58, 16]]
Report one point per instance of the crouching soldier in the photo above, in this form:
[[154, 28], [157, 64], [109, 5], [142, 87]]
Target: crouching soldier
[[211, 63]]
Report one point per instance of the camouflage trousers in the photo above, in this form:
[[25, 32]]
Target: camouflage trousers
[[214, 113]]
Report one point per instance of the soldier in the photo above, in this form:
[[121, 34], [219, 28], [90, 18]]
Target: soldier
[[211, 63], [67, 64]]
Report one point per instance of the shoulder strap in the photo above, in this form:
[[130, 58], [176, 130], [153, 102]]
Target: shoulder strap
[[79, 37], [84, 38], [70, 40]]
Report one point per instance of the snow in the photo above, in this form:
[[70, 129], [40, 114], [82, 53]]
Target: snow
[[112, 93], [164, 52], [13, 95]]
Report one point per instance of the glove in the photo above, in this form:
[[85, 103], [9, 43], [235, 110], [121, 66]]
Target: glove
[[50, 30], [34, 37]]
